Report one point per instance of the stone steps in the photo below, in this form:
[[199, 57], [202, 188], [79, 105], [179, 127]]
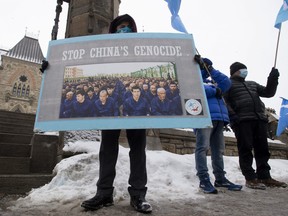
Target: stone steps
[[21, 184], [16, 123], [15, 150], [15, 128], [19, 116], [16, 132], [23, 167], [15, 165], [15, 138]]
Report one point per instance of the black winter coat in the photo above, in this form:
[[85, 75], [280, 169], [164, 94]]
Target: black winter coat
[[243, 99]]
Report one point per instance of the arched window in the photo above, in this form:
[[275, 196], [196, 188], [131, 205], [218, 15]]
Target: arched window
[[27, 91], [14, 92], [21, 87], [23, 91], [19, 90]]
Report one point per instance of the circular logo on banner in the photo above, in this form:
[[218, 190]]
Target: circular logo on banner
[[193, 107]]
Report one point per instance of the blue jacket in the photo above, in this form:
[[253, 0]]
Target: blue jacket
[[84, 109], [136, 108], [170, 95], [66, 105], [93, 99], [110, 108], [161, 107], [117, 98], [150, 96], [217, 106], [177, 106]]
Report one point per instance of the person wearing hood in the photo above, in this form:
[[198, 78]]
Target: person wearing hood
[[215, 84], [109, 152], [249, 123]]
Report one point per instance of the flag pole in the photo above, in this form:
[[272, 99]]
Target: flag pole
[[277, 47]]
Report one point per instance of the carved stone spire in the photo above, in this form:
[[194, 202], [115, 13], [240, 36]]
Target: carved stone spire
[[56, 20]]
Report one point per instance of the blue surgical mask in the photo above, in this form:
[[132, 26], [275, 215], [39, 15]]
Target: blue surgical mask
[[125, 29], [243, 73]]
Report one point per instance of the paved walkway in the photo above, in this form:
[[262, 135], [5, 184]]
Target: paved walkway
[[273, 201]]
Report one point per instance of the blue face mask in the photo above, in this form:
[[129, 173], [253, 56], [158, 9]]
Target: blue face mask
[[125, 29], [243, 73]]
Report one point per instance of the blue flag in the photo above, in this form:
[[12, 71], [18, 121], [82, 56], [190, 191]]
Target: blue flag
[[282, 15], [283, 119], [174, 7]]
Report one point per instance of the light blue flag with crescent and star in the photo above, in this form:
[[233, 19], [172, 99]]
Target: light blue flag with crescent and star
[[282, 15], [174, 7], [283, 119]]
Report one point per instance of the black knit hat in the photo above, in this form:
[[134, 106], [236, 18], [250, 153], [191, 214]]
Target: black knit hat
[[118, 20], [236, 66]]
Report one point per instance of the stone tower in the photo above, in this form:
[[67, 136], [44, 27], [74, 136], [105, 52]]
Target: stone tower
[[86, 17]]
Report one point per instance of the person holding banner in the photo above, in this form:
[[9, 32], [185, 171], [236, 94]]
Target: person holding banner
[[109, 152], [249, 123], [213, 138]]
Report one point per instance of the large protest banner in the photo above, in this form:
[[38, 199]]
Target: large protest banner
[[112, 63]]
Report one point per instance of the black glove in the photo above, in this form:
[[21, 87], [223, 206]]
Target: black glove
[[218, 93], [234, 120], [44, 65], [274, 73], [200, 61], [204, 63]]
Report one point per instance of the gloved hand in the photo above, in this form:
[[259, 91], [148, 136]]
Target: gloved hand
[[234, 120], [200, 61], [208, 62], [274, 73], [204, 63], [44, 65], [218, 93]]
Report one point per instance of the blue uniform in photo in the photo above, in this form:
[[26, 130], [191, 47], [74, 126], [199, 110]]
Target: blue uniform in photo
[[161, 107], [110, 108], [136, 108], [65, 108], [84, 109]]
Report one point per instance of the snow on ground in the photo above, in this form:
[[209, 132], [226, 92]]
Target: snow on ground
[[170, 176]]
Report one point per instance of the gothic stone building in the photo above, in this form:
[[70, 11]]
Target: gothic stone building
[[20, 78]]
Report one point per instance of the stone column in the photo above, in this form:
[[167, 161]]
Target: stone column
[[90, 17]]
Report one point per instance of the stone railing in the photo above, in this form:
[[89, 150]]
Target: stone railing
[[183, 142]]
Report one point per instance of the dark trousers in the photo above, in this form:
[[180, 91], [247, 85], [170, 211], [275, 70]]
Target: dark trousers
[[252, 135], [108, 157]]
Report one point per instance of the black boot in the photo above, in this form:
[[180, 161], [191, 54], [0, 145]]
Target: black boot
[[140, 204], [97, 202]]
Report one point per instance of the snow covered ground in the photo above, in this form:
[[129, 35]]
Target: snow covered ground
[[170, 177]]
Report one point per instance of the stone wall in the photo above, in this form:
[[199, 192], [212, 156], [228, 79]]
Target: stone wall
[[183, 142], [15, 71]]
